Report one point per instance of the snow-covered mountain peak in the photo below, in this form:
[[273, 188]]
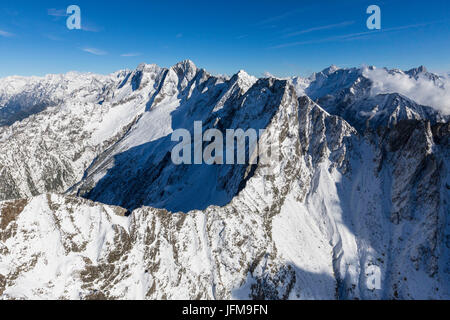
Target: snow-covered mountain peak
[[146, 67], [186, 67], [244, 80], [331, 69], [415, 71], [187, 64]]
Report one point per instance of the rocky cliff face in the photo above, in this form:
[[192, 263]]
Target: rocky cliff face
[[356, 205]]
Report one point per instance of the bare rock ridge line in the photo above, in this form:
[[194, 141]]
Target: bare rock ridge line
[[93, 207]]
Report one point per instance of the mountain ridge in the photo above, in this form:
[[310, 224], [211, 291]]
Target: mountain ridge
[[351, 197]]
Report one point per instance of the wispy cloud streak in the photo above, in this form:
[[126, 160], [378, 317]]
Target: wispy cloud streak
[[6, 34], [97, 52], [273, 19], [90, 28], [57, 12], [353, 36], [132, 54], [326, 27]]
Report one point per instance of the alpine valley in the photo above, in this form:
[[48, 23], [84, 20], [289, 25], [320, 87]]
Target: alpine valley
[[91, 206]]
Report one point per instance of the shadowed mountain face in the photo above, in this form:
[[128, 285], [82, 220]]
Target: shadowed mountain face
[[358, 195], [17, 111], [137, 174]]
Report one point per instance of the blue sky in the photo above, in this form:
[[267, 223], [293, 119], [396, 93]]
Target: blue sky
[[281, 37]]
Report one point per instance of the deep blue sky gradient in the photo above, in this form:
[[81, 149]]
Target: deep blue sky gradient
[[281, 37]]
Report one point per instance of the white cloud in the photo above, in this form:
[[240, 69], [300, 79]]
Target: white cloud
[[57, 12], [90, 28], [97, 52], [352, 36], [326, 27], [6, 34], [132, 54], [423, 90], [276, 18]]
